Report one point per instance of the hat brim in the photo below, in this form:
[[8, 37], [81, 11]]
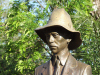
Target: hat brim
[[75, 42]]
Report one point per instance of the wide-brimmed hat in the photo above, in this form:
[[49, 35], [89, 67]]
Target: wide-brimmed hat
[[60, 18]]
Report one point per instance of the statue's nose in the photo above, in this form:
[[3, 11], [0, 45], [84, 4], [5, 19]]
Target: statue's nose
[[51, 39]]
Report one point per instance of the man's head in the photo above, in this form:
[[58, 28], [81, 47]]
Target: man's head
[[60, 22], [57, 39]]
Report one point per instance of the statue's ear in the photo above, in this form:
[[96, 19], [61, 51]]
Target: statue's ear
[[68, 40]]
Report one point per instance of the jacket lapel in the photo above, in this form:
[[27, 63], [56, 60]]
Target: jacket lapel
[[70, 66], [47, 68]]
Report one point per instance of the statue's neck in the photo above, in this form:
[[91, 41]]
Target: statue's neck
[[63, 52]]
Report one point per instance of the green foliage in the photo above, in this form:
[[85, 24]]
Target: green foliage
[[21, 50]]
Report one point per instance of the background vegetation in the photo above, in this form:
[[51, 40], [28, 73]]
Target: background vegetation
[[21, 50]]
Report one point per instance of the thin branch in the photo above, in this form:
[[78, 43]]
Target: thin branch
[[40, 4], [81, 24], [45, 48], [28, 56]]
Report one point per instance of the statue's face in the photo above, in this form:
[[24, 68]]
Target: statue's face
[[57, 41]]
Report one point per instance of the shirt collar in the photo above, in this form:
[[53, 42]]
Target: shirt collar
[[62, 57]]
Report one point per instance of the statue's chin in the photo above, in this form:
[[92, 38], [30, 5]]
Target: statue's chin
[[54, 51]]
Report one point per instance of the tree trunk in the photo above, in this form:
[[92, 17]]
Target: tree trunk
[[96, 7]]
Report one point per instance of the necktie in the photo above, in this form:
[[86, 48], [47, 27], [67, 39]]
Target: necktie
[[57, 70]]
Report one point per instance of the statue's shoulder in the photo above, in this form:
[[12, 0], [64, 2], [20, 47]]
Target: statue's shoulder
[[41, 68], [79, 67], [84, 68], [43, 65], [82, 65], [78, 63]]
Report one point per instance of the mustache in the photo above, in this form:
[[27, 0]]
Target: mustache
[[52, 45]]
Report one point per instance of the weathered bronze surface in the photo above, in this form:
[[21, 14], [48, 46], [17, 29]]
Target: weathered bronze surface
[[61, 37]]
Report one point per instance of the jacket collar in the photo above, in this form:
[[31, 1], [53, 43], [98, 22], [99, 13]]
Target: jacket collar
[[70, 65]]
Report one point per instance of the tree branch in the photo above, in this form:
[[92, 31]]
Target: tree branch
[[40, 4]]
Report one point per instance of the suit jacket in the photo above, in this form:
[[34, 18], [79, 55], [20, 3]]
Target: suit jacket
[[72, 67]]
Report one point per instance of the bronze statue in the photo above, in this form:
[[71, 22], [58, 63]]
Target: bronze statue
[[61, 37]]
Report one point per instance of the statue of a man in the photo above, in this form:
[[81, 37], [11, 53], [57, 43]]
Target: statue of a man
[[61, 37]]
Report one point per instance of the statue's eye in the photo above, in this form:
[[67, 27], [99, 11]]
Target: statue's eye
[[55, 35], [47, 35]]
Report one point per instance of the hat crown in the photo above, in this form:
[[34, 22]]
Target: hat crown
[[62, 18]]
